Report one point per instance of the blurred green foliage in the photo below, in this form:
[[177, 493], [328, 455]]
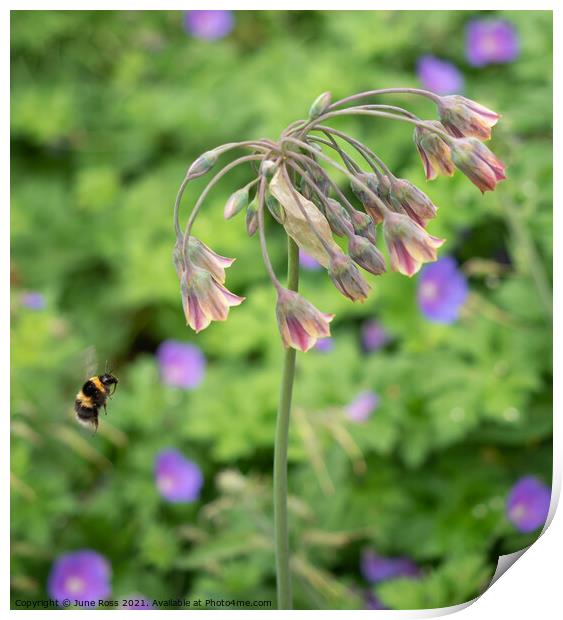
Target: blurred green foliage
[[108, 109]]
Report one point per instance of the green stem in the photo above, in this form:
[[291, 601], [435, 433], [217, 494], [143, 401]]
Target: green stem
[[280, 451]]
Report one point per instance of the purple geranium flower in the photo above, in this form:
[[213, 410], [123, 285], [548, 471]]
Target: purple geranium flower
[[177, 478], [373, 336], [308, 262], [361, 408], [439, 76], [208, 25], [80, 576], [33, 300], [325, 345], [442, 290], [372, 601], [376, 568], [527, 505], [181, 364], [490, 41]]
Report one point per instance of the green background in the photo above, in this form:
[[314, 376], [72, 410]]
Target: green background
[[108, 109]]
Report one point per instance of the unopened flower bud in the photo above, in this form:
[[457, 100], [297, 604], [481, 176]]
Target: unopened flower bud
[[404, 197], [478, 163], [320, 105], [368, 201], [236, 203], [275, 208], [465, 118], [252, 218], [347, 278], [300, 323], [435, 154], [268, 168], [363, 225], [338, 218], [408, 243], [202, 164], [365, 254]]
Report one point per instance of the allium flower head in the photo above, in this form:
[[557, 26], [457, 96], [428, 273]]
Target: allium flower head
[[373, 336], [300, 323], [408, 243], [204, 299], [491, 41], [465, 118], [404, 197], [178, 479], [442, 291], [80, 576], [181, 364], [439, 76], [527, 505], [376, 568], [361, 408], [435, 154], [208, 25], [347, 279], [482, 167]]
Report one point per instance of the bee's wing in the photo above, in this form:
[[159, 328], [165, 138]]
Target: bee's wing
[[90, 362]]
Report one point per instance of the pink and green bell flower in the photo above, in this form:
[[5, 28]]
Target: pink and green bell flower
[[435, 154], [480, 165], [464, 118], [204, 257], [301, 325], [409, 244], [404, 197], [204, 299]]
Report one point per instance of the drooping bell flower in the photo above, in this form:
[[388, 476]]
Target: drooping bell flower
[[480, 165], [204, 299], [236, 203], [408, 243], [301, 325], [464, 118], [369, 203], [363, 225], [338, 218], [365, 254], [347, 278], [435, 154], [404, 197], [203, 256]]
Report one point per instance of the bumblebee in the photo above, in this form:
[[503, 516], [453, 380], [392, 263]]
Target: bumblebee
[[92, 396]]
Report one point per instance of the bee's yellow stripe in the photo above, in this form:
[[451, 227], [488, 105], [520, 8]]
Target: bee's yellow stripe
[[96, 381], [86, 401]]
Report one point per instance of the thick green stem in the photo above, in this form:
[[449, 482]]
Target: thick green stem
[[280, 451]]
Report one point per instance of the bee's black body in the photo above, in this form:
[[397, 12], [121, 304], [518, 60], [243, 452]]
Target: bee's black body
[[92, 396]]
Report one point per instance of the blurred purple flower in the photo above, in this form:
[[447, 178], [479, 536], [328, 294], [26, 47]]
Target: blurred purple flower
[[308, 262], [490, 41], [80, 576], [439, 76], [181, 365], [33, 300], [208, 25], [177, 478], [442, 290], [325, 345], [527, 505], [361, 408], [372, 601], [373, 336], [376, 568]]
